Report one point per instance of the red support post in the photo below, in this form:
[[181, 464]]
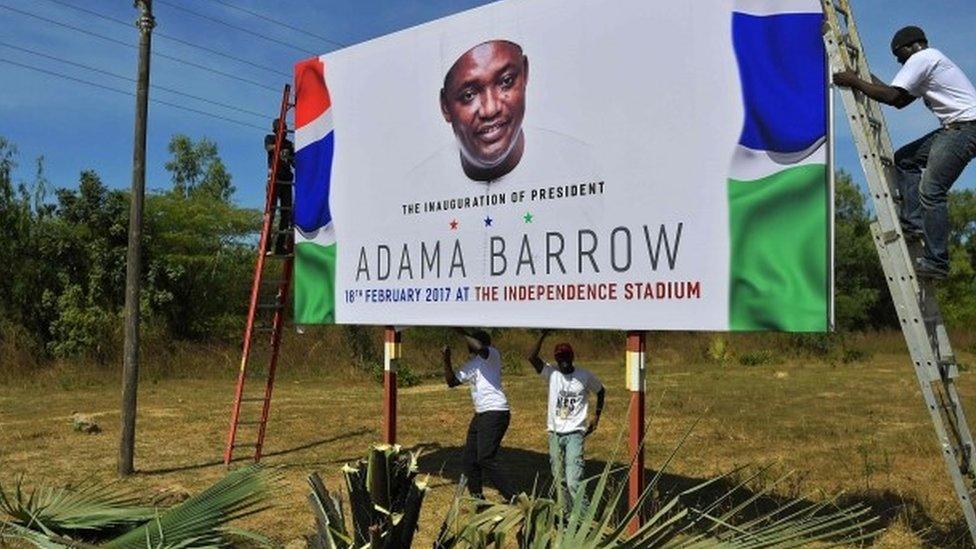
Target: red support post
[[635, 384], [391, 356]]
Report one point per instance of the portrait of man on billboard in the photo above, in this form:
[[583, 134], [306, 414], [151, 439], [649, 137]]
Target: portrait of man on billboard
[[483, 99]]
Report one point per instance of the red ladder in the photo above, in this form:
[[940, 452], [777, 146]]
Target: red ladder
[[260, 328]]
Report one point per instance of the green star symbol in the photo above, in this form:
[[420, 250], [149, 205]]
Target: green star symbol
[[527, 217]]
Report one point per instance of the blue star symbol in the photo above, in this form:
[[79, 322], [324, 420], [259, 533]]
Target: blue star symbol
[[488, 221]]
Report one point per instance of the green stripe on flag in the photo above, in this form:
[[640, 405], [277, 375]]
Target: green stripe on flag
[[314, 283], [778, 260]]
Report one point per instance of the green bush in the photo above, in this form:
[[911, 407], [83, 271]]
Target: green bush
[[757, 358], [814, 344], [718, 350], [852, 354], [406, 376]]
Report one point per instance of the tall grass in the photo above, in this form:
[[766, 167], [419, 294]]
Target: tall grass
[[336, 353]]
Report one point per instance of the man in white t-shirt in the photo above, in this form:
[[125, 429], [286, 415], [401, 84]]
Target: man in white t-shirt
[[929, 166], [569, 390], [483, 372]]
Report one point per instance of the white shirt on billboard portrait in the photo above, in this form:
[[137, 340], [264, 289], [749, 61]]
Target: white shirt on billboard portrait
[[568, 402], [946, 90], [549, 158], [485, 377]]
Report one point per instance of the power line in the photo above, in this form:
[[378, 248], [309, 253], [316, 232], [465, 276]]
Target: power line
[[280, 23], [235, 27], [128, 45], [130, 94], [129, 79], [172, 38]]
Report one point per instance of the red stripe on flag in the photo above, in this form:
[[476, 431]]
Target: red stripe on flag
[[311, 95]]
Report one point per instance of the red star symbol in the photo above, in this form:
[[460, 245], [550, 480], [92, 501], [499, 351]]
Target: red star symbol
[[454, 224]]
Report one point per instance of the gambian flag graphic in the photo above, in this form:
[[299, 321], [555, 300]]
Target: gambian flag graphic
[[315, 243], [778, 187]]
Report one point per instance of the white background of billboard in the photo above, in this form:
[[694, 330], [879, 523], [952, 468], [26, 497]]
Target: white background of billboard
[[655, 93]]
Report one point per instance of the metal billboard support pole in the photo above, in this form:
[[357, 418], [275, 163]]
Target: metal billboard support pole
[[636, 343], [391, 356]]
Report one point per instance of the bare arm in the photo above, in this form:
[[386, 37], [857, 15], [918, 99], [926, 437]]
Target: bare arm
[[533, 356], [449, 376], [877, 90], [600, 399]]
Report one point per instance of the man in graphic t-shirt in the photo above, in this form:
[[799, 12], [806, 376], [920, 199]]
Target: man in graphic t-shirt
[[569, 389], [483, 372], [929, 166]]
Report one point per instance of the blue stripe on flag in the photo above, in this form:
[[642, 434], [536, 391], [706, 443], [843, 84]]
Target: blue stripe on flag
[[781, 67], [313, 168]]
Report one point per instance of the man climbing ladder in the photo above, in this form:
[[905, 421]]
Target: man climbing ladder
[[902, 256], [929, 166]]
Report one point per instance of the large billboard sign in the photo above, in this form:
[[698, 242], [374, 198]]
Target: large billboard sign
[[617, 164]]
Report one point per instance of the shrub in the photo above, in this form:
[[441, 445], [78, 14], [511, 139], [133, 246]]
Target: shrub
[[852, 354], [757, 358], [718, 349], [406, 376]]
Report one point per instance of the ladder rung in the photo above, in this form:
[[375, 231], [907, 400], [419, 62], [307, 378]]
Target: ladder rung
[[257, 422], [271, 306], [253, 399], [281, 256], [246, 445]]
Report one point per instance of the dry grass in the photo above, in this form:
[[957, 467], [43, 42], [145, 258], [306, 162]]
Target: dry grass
[[858, 428]]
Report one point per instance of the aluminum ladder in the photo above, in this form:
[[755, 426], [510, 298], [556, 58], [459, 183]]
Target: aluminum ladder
[[915, 299], [266, 311]]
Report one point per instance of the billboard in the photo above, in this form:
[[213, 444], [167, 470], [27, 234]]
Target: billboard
[[617, 164]]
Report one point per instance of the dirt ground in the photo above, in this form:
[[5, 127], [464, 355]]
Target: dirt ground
[[856, 429]]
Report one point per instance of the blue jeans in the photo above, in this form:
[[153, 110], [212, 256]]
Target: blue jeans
[[566, 459], [942, 154]]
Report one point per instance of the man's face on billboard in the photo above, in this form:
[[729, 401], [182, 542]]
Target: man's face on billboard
[[484, 101]]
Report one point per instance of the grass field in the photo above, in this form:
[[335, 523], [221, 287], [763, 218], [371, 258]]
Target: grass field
[[856, 427]]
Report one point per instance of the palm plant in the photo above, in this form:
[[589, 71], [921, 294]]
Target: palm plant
[[384, 500], [691, 519], [93, 515]]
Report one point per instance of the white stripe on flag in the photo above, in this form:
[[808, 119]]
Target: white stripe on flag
[[750, 164], [776, 7], [314, 130], [323, 236]]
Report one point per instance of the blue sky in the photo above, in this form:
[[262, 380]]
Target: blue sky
[[77, 127]]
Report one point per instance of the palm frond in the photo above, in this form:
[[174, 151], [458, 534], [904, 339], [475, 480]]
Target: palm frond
[[199, 521], [79, 511]]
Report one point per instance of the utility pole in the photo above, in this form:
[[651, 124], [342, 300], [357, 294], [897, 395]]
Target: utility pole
[[133, 260]]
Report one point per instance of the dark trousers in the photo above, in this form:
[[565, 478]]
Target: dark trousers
[[926, 169], [481, 452], [283, 197]]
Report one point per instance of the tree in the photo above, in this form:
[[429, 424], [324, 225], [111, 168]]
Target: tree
[[958, 293], [861, 294], [201, 255], [196, 168], [65, 259]]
